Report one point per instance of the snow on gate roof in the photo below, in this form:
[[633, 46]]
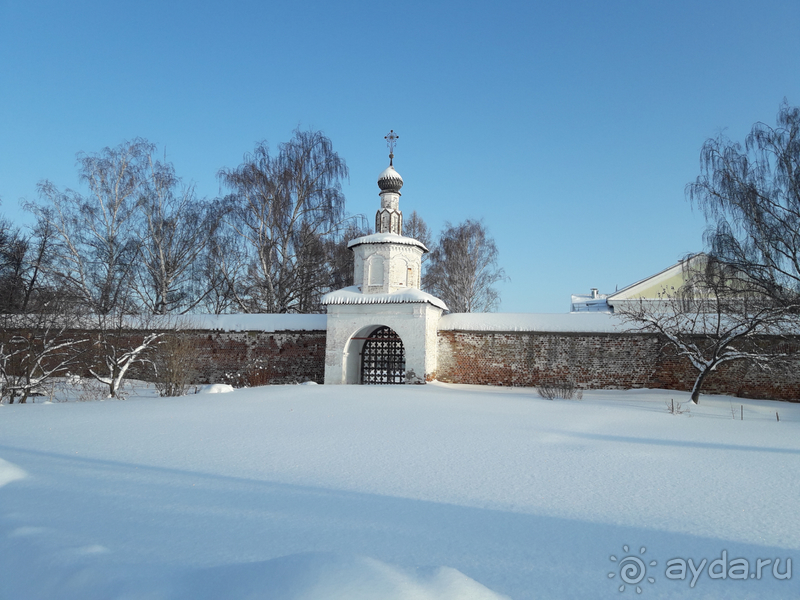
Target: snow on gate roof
[[353, 295]]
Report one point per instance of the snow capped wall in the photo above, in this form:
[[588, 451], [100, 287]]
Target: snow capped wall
[[252, 322], [593, 350], [568, 322], [598, 360]]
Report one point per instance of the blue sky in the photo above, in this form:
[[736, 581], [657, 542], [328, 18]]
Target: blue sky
[[571, 128]]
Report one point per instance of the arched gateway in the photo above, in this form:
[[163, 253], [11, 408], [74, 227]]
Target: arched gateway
[[383, 328], [383, 359]]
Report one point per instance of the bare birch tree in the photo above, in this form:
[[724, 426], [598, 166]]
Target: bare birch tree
[[97, 241], [463, 270], [285, 206], [23, 262], [174, 228], [223, 265], [340, 257], [99, 249], [415, 227], [36, 341], [14, 248], [751, 198]]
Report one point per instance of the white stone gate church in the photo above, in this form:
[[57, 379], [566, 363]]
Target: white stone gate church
[[383, 329]]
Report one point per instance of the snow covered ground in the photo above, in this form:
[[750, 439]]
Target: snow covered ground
[[413, 492]]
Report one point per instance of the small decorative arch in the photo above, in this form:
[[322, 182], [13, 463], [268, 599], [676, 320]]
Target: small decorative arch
[[400, 271], [383, 358], [375, 268]]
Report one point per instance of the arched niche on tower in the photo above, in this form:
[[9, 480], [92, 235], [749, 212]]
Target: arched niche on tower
[[401, 271], [358, 269], [375, 270]]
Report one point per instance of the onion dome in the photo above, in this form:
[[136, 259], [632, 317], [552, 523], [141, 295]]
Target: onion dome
[[389, 180]]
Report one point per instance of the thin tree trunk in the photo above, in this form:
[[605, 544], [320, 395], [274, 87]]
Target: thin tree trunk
[[698, 384]]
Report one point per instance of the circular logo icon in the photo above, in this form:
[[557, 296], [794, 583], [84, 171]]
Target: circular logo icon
[[632, 569]]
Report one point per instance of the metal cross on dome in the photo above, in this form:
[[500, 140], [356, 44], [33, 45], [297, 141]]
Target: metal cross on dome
[[391, 139]]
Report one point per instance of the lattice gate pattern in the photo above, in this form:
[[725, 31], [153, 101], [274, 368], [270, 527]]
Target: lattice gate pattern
[[383, 359]]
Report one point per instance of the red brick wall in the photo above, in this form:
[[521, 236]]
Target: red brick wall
[[590, 360], [243, 358], [262, 357], [597, 361]]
